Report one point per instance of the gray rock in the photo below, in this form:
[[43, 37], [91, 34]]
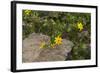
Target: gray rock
[[31, 51]]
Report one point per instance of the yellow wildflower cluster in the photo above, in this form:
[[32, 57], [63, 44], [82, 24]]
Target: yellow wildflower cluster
[[57, 41], [27, 12], [80, 26]]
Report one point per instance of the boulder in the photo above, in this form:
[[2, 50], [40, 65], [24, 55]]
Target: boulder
[[31, 51]]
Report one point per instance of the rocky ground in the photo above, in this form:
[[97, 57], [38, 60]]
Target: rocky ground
[[31, 51]]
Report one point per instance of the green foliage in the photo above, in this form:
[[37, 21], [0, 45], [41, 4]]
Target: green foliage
[[64, 24]]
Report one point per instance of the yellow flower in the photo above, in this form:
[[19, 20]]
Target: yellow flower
[[42, 45], [58, 40], [27, 12], [80, 26]]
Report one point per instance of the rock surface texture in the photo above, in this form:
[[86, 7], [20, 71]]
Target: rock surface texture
[[31, 51]]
